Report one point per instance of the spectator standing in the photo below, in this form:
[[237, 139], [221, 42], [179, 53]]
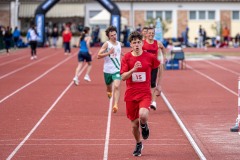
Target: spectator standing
[[54, 37], [7, 39], [96, 34], [32, 36], [237, 40], [139, 28], [200, 37], [67, 36], [16, 36], [185, 37], [125, 33], [225, 34], [204, 33]]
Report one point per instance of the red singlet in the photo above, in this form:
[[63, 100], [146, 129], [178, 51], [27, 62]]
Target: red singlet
[[151, 48]]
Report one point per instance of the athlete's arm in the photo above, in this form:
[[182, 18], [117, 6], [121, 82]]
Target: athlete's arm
[[128, 74], [162, 49], [102, 52], [88, 40], [159, 78]]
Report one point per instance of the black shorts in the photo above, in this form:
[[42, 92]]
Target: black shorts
[[84, 56], [154, 73]]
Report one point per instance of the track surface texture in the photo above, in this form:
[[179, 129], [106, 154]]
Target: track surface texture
[[43, 115]]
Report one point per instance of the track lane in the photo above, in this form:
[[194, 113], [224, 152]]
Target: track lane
[[21, 112], [28, 76], [208, 112], [67, 127], [63, 147]]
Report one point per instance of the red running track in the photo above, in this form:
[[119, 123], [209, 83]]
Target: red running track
[[44, 116]]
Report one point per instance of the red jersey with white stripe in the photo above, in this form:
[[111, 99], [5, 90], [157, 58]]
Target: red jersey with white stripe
[[138, 85], [151, 48]]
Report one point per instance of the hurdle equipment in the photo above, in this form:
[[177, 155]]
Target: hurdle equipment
[[236, 128]]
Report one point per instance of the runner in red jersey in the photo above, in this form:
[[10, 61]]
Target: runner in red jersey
[[136, 69], [158, 50]]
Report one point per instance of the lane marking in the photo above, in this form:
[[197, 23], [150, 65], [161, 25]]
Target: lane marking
[[36, 79], [188, 135], [214, 81], [90, 144], [223, 68], [43, 117], [105, 155], [23, 67], [22, 57], [76, 139], [13, 60]]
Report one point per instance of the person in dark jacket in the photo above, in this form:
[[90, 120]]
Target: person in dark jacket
[[7, 39]]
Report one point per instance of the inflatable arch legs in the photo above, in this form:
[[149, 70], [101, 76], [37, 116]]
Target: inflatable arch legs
[[43, 8]]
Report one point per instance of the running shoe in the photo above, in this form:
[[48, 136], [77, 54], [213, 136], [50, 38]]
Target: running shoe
[[109, 94], [145, 131], [115, 108], [87, 78], [76, 81], [153, 105], [138, 150]]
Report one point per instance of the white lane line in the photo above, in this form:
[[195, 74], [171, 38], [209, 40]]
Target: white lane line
[[30, 64], [91, 144], [214, 81], [188, 135], [43, 117], [223, 68], [77, 139], [105, 155], [22, 57], [13, 60], [39, 77], [11, 54]]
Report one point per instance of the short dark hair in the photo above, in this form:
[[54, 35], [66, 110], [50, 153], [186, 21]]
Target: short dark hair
[[110, 29], [135, 35], [145, 28], [150, 28]]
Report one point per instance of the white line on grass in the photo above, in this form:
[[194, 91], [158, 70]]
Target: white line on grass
[[43, 117], [188, 135]]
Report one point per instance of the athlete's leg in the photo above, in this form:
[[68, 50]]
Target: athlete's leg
[[116, 85], [109, 88], [143, 115], [135, 130], [89, 67], [78, 68]]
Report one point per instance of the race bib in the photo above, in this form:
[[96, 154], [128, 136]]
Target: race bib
[[139, 77]]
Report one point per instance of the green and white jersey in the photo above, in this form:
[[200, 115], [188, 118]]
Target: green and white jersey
[[112, 62]]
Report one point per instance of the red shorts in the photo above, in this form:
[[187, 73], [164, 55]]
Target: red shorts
[[132, 107]]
